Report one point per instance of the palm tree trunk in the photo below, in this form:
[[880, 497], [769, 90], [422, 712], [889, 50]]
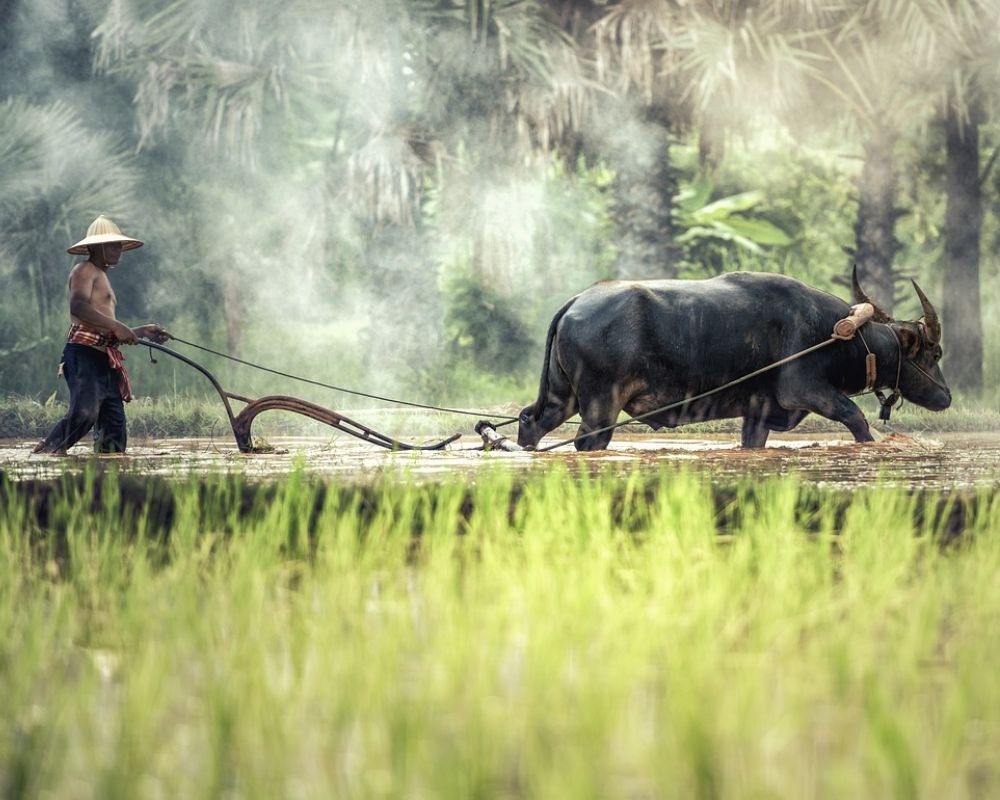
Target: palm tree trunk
[[961, 309], [874, 231], [644, 189], [41, 298]]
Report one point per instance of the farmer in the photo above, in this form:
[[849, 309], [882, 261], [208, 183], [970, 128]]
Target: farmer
[[91, 361]]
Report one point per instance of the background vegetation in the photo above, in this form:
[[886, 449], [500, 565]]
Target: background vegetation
[[396, 195]]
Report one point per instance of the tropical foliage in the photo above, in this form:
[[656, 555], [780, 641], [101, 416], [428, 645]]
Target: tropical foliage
[[340, 188]]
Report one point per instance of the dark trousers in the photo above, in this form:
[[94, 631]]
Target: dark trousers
[[94, 402]]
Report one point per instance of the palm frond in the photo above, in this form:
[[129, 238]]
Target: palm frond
[[64, 176], [385, 180], [548, 113], [630, 40], [225, 66], [49, 158]]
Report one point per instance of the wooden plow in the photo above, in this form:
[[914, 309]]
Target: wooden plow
[[241, 423]]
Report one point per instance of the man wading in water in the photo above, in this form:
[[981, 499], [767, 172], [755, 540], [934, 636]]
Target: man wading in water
[[91, 361]]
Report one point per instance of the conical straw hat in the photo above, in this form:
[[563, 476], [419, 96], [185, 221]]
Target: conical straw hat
[[102, 231]]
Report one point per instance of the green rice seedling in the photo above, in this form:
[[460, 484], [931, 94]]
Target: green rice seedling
[[574, 634]]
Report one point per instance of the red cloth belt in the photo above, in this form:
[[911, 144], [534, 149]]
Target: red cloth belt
[[80, 334]]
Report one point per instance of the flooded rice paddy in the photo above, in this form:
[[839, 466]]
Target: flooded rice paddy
[[944, 461]]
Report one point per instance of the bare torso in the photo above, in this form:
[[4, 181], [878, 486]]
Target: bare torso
[[92, 300]]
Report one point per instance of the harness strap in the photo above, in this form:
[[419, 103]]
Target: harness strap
[[871, 368], [888, 403]]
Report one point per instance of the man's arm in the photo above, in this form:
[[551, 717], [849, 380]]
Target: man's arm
[[81, 289]]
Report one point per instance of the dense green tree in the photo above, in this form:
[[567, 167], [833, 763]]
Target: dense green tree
[[54, 174], [394, 167], [633, 133], [967, 91], [910, 64], [701, 69], [961, 308]]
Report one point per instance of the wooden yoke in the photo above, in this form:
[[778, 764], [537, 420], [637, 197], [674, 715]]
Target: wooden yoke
[[847, 327]]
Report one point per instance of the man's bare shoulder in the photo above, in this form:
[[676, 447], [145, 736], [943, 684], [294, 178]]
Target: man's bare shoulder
[[83, 269], [84, 273]]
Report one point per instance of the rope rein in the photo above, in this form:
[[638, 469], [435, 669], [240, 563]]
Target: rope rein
[[507, 420]]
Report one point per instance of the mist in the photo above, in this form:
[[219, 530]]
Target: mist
[[320, 186]]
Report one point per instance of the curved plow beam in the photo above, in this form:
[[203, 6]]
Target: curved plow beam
[[242, 422]]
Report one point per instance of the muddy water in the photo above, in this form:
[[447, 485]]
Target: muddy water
[[939, 461]]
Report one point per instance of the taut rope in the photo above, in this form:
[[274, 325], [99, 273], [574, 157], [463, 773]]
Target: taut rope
[[262, 368]]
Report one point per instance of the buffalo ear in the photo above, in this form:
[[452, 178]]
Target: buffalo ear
[[860, 297], [910, 339]]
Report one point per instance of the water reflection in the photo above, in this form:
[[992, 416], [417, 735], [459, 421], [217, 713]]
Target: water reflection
[[940, 461]]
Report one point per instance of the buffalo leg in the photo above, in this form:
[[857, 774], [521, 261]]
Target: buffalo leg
[[535, 425], [755, 427], [596, 414], [841, 409], [847, 413], [786, 420], [556, 404], [755, 431], [844, 411]]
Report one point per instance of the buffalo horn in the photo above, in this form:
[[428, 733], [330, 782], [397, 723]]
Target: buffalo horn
[[861, 297], [931, 321]]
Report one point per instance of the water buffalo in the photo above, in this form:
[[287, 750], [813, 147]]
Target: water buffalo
[[640, 345]]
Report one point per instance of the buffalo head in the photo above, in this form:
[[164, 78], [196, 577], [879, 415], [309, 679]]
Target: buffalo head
[[920, 378], [529, 433]]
